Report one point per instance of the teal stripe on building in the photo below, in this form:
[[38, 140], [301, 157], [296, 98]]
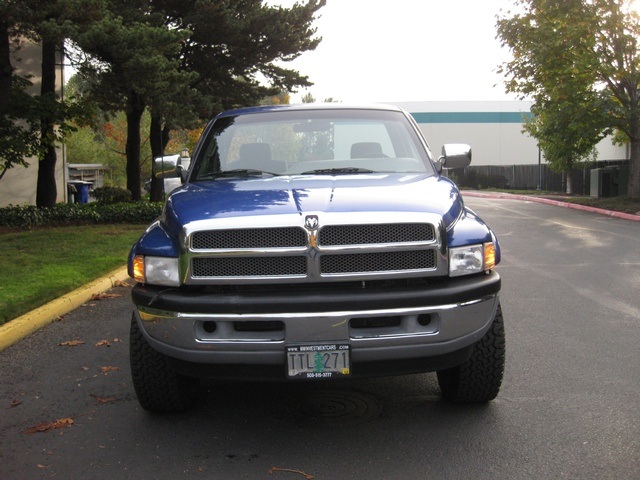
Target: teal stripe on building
[[471, 117]]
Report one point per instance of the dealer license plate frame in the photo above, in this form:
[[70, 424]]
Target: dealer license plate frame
[[318, 361]]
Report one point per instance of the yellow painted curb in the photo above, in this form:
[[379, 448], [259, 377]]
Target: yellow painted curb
[[20, 327]]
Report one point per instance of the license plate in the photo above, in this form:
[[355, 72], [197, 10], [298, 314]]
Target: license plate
[[318, 361]]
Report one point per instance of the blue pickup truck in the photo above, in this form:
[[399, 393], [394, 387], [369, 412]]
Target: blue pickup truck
[[315, 243]]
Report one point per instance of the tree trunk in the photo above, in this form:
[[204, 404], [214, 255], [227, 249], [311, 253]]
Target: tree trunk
[[135, 110], [633, 189], [6, 82], [159, 138], [567, 176], [6, 69], [46, 193]]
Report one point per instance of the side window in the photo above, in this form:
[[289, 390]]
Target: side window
[[209, 160]]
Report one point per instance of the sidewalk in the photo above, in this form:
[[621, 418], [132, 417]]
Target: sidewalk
[[20, 327]]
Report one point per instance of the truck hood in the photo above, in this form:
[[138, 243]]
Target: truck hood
[[305, 194]]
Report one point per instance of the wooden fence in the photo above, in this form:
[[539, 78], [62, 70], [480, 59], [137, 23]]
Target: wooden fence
[[532, 177]]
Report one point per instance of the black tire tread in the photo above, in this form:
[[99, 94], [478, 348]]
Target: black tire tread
[[158, 388], [478, 380]]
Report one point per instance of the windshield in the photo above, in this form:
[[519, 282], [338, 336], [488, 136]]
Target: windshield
[[306, 142]]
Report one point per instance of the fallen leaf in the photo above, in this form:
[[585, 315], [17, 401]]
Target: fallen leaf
[[102, 296], [71, 343], [84, 369], [104, 399], [116, 340], [63, 422], [103, 343], [109, 369], [46, 426], [121, 283], [305, 475], [15, 403]]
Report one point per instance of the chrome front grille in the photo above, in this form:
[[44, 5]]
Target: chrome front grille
[[378, 262], [334, 249], [375, 234], [249, 238], [230, 267]]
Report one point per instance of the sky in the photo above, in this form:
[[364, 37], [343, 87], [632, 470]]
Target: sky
[[405, 51]]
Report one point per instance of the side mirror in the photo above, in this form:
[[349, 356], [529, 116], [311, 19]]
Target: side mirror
[[454, 155], [173, 166], [167, 167]]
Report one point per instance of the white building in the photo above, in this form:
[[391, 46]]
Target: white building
[[494, 130]]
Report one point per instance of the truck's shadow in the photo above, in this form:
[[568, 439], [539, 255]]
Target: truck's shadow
[[327, 404]]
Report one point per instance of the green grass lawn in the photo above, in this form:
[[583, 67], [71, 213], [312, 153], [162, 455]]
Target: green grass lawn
[[39, 265]]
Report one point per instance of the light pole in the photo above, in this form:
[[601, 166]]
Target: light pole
[[539, 169]]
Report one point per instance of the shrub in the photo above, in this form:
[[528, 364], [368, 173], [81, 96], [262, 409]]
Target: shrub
[[111, 195], [18, 216], [28, 216], [68, 213], [139, 212]]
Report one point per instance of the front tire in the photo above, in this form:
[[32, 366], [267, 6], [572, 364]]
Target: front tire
[[478, 380], [158, 388]]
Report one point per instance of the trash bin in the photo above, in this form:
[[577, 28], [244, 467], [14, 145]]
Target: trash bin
[[81, 193], [605, 182]]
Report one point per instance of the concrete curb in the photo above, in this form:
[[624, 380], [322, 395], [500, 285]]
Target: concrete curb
[[549, 201], [20, 327]]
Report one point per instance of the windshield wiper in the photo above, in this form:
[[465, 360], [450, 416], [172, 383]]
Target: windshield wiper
[[331, 171], [239, 172]]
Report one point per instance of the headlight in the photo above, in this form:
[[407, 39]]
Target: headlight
[[471, 259], [156, 270]]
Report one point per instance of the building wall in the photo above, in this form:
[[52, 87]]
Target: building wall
[[492, 129], [18, 186]]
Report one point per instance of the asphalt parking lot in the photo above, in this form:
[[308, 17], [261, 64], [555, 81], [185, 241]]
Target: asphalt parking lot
[[568, 407]]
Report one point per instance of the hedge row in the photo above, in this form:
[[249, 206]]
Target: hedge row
[[28, 216]]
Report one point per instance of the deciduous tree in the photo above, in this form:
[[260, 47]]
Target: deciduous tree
[[578, 60]]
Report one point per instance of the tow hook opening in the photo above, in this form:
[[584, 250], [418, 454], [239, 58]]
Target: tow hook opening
[[209, 327], [424, 319]]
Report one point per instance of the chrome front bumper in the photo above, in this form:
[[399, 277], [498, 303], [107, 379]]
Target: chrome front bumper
[[237, 338]]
